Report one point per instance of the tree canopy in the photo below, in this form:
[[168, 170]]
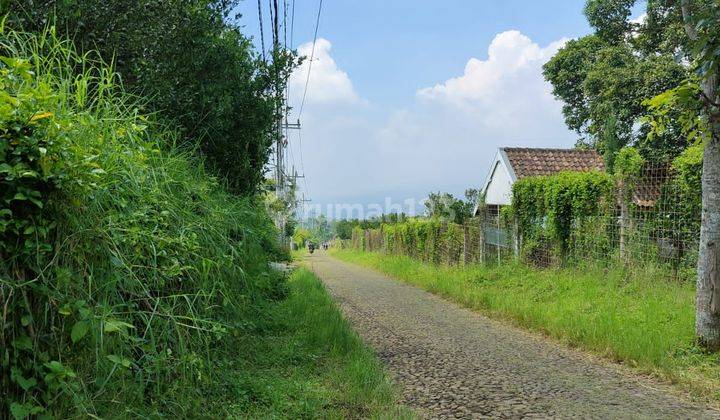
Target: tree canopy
[[445, 206], [612, 71], [199, 71]]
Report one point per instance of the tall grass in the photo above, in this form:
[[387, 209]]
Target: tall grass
[[126, 272], [311, 364], [636, 317]]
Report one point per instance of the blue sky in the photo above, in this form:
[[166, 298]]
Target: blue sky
[[408, 97], [391, 48]]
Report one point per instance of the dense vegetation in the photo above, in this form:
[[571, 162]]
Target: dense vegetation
[[438, 206], [653, 84], [191, 62], [132, 283], [549, 208], [603, 78], [636, 318], [445, 206], [427, 239], [124, 265]]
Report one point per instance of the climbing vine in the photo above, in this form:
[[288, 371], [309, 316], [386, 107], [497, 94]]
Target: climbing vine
[[548, 207]]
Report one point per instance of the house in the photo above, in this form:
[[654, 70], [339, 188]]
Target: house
[[513, 163]]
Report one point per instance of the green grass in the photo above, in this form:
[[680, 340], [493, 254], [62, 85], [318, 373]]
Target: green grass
[[637, 318], [133, 284], [307, 363], [129, 276]]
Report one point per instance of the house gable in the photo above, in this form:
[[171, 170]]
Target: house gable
[[498, 189], [512, 163]]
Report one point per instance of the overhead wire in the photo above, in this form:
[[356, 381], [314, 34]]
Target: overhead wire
[[312, 57]]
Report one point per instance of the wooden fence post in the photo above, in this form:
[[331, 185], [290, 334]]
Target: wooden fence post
[[517, 242], [466, 243], [443, 243], [624, 219], [481, 241]]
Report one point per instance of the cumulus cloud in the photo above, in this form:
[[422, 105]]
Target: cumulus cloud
[[446, 135], [455, 126], [508, 84], [327, 84]]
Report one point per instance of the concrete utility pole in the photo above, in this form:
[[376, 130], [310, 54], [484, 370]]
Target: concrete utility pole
[[282, 180], [304, 216]]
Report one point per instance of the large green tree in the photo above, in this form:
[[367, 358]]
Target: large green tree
[[188, 57], [702, 114], [611, 72], [445, 206], [672, 57]]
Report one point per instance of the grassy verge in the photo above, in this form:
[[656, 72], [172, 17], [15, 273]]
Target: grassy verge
[[307, 362], [635, 318]]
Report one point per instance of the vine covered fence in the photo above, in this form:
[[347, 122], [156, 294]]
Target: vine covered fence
[[438, 242], [645, 214]]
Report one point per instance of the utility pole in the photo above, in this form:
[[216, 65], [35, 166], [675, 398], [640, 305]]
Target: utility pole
[[301, 203], [280, 140], [282, 180]]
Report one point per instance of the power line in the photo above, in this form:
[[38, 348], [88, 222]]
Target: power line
[[312, 57], [274, 19], [285, 23]]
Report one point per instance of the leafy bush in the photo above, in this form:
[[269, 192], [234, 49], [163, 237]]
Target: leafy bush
[[551, 206], [628, 163], [198, 71], [124, 269], [301, 237], [426, 239], [688, 178]]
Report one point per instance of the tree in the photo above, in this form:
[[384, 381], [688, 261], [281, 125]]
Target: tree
[[343, 228], [445, 206], [702, 25], [197, 69], [613, 70], [320, 228], [694, 106]]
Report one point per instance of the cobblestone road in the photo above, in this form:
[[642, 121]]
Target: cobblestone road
[[455, 363]]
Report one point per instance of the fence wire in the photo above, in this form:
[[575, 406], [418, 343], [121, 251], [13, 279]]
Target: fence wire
[[656, 222]]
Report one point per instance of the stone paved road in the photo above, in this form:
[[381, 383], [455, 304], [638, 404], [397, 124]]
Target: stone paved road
[[454, 363]]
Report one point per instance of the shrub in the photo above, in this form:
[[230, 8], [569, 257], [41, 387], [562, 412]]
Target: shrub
[[123, 267], [550, 207]]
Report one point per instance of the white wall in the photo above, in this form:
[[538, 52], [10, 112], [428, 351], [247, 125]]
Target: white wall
[[499, 190]]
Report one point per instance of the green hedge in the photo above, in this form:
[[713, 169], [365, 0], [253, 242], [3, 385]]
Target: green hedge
[[425, 239], [125, 270], [549, 207], [576, 212]]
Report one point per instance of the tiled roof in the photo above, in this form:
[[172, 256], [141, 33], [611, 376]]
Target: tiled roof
[[533, 162]]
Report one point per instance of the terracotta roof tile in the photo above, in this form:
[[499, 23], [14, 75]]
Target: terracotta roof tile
[[534, 162]]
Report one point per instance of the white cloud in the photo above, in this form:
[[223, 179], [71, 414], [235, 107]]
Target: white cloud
[[327, 84], [446, 136], [504, 84], [455, 126], [640, 19]]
